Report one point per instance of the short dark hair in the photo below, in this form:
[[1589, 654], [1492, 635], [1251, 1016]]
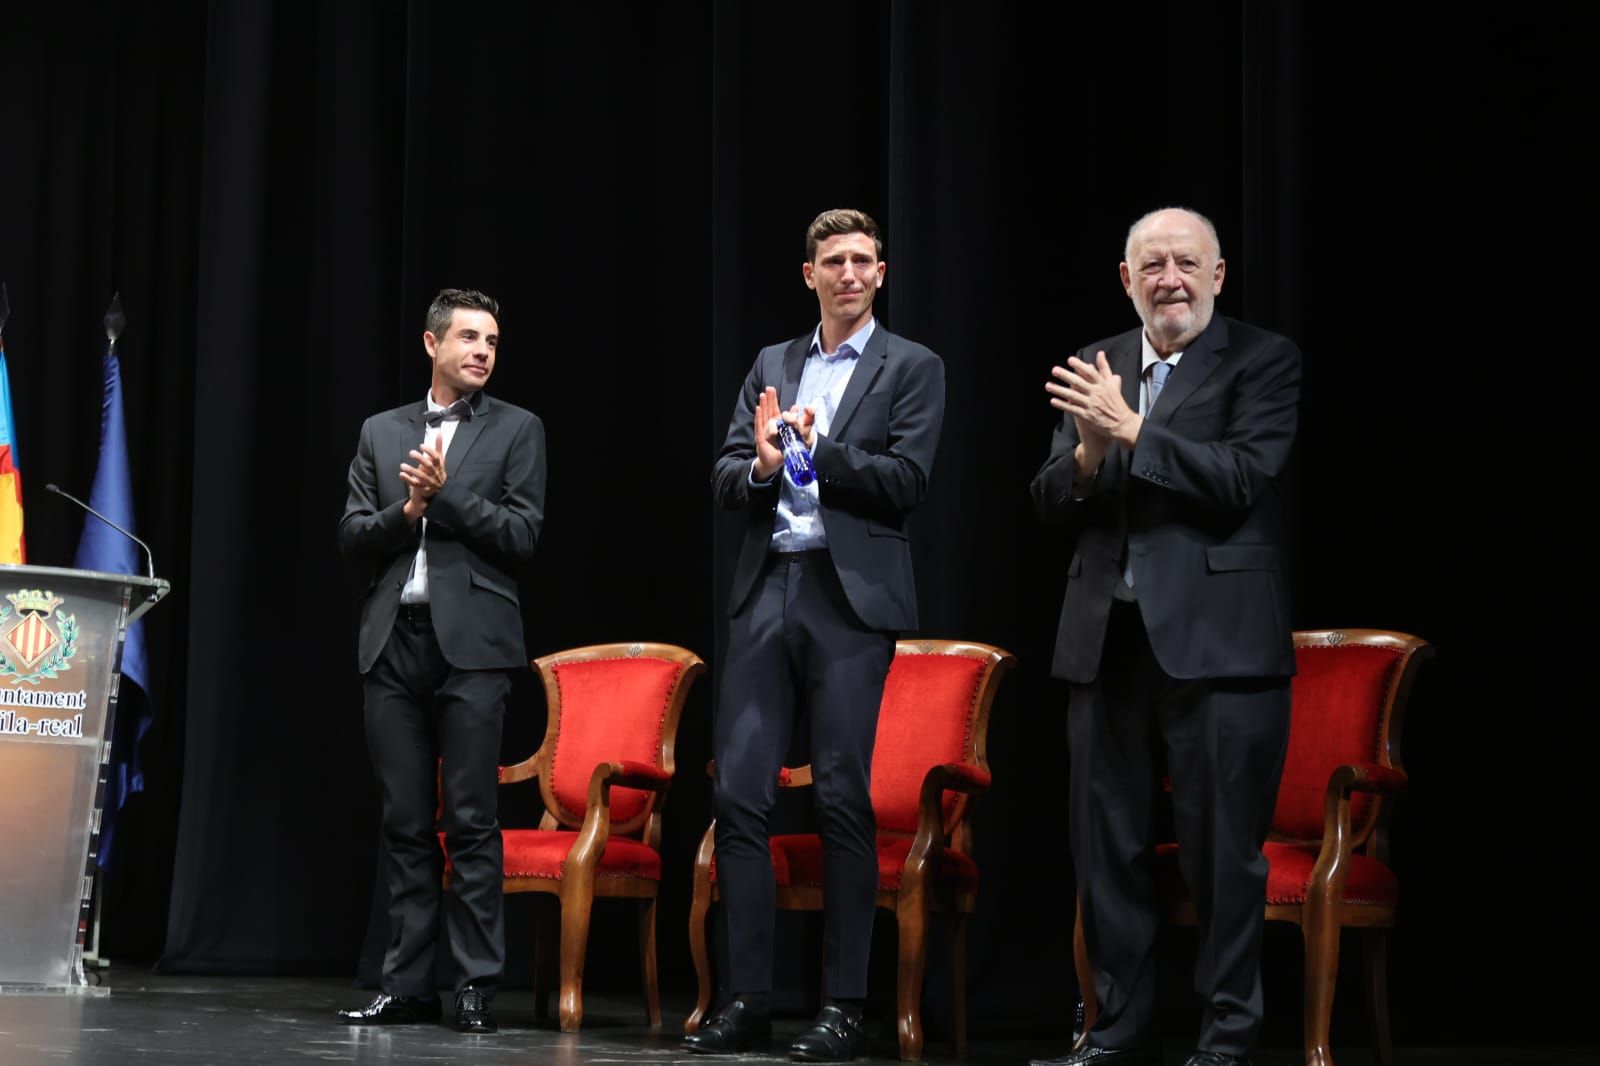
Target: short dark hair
[[836, 223], [444, 305]]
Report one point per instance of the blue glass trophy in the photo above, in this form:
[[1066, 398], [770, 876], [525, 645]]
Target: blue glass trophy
[[796, 456]]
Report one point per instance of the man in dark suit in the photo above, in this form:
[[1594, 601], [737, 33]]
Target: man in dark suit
[[821, 587], [446, 500], [1174, 630]]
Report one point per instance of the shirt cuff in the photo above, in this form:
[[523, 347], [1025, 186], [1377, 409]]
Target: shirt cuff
[[750, 477]]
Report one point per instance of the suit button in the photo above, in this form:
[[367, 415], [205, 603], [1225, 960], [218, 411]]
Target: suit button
[[398, 585]]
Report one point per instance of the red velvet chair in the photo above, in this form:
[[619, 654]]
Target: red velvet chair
[[1328, 848], [929, 758], [603, 772]]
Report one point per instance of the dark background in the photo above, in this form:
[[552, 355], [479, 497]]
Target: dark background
[[277, 190]]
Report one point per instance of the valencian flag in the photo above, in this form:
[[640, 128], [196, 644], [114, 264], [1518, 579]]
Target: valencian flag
[[103, 548], [11, 545]]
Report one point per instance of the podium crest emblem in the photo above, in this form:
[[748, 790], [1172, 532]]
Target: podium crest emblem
[[34, 644]]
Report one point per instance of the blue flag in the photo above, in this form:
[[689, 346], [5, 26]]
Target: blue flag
[[103, 548]]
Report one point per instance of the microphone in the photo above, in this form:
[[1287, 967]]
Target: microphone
[[150, 560]]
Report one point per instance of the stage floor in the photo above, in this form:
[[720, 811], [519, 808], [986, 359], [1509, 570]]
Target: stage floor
[[234, 1021]]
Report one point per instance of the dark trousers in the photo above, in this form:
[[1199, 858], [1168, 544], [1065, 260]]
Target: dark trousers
[[431, 726], [796, 644], [1225, 740]]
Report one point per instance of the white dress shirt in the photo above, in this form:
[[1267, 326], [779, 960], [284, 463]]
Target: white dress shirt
[[416, 590]]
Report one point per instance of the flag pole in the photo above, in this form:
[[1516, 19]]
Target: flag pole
[[115, 322]]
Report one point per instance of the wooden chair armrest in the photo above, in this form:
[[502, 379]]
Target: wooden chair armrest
[[1367, 777], [628, 774], [951, 777], [525, 770], [1333, 861], [596, 830]]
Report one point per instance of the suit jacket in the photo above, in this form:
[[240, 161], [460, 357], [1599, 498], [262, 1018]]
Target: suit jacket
[[481, 525], [1197, 504], [872, 470]]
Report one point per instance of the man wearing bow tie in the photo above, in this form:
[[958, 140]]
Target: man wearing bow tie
[[446, 499], [821, 587], [1166, 468]]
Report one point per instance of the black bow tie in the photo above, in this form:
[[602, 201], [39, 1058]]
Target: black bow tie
[[461, 409]]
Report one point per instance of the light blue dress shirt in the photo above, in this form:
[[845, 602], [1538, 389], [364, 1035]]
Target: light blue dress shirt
[[822, 383]]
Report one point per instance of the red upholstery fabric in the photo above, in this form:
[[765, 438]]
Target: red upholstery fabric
[[925, 720], [611, 710], [1339, 695], [542, 853], [1368, 881], [797, 860]]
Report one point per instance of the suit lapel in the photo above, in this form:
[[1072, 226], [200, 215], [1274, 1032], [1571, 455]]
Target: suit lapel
[[1199, 360], [794, 364], [467, 434], [868, 364]]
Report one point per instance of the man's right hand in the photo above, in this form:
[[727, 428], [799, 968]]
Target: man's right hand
[[1092, 443], [769, 450], [422, 480]]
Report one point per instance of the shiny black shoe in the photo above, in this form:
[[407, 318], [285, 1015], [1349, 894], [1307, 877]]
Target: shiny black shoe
[[736, 1028], [836, 1036], [394, 1010], [1103, 1056], [1215, 1058], [473, 1014]]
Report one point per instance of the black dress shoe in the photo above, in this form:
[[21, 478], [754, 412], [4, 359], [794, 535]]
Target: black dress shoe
[[394, 1010], [472, 1012], [1103, 1056], [836, 1036], [1215, 1058], [737, 1027]]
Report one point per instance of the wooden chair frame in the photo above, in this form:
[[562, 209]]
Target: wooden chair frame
[[579, 886], [919, 892], [1325, 913]]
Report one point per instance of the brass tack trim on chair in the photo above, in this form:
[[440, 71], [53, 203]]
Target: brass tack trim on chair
[[635, 650], [925, 647], [1336, 638]]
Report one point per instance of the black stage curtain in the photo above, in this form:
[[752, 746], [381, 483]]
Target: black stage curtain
[[277, 190]]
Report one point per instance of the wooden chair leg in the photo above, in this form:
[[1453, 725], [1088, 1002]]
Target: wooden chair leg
[[699, 914], [576, 903], [1376, 945], [958, 977], [546, 933], [912, 918], [647, 961], [1319, 928], [1085, 972]]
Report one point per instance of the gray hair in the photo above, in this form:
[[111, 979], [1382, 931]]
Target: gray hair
[[1216, 243]]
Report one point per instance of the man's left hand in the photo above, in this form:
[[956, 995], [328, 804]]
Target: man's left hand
[[804, 420]]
